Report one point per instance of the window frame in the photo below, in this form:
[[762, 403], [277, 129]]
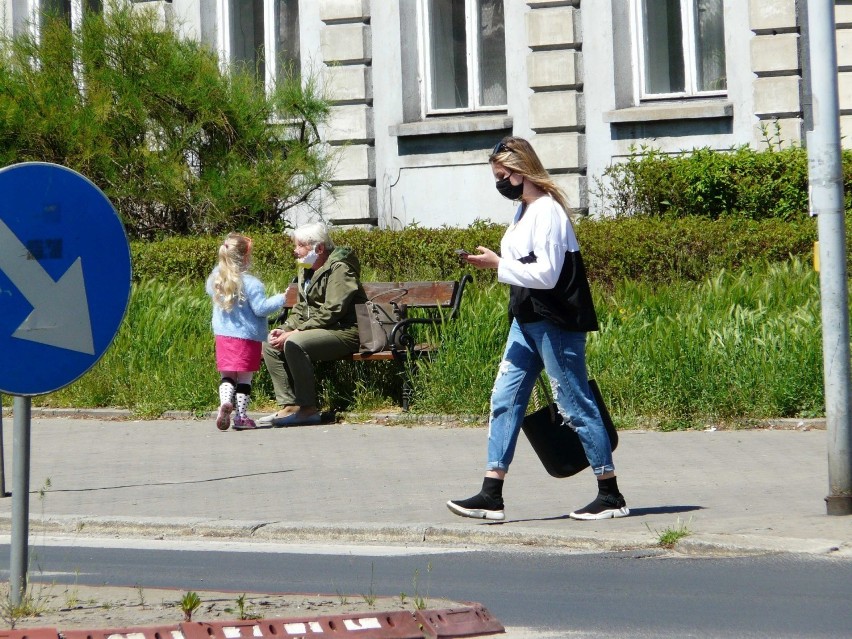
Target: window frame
[[472, 59], [268, 43], [690, 61]]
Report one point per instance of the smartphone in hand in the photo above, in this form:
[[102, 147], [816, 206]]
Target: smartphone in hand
[[461, 253]]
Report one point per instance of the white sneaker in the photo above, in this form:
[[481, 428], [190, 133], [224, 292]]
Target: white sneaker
[[603, 507]]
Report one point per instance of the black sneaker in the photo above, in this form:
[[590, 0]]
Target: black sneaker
[[479, 506], [603, 507]]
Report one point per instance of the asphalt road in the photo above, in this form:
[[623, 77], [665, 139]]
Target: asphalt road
[[628, 594]]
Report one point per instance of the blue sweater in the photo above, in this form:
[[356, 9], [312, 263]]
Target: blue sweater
[[248, 319]]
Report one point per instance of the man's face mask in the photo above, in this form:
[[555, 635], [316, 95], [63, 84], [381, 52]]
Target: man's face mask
[[509, 190], [309, 260]]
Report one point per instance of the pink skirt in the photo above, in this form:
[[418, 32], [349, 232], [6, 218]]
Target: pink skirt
[[235, 354]]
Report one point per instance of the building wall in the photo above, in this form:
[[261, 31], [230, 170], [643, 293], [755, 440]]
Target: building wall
[[570, 82], [435, 172], [617, 124]]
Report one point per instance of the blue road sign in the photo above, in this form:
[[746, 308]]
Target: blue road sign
[[64, 277]]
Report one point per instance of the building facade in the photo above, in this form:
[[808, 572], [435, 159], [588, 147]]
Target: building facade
[[423, 89]]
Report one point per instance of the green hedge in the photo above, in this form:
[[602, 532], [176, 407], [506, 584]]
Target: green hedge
[[743, 181], [643, 249]]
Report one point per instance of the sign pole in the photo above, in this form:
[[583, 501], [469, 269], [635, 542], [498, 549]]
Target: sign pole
[[2, 454], [20, 500], [65, 265], [826, 185]]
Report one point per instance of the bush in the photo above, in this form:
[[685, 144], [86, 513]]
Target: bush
[[657, 250], [178, 146], [412, 254], [744, 182], [642, 249]]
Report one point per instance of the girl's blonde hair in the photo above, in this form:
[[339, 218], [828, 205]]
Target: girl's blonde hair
[[234, 256], [518, 156]]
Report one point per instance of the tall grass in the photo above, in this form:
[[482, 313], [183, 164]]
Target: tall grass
[[162, 357], [739, 345]]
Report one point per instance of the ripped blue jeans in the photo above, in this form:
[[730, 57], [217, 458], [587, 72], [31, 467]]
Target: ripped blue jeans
[[530, 348]]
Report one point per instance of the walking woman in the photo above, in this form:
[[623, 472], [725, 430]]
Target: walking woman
[[551, 310]]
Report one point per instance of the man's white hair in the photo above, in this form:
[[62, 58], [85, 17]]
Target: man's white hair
[[314, 233]]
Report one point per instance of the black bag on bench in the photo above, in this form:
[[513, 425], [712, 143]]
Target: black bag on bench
[[556, 444]]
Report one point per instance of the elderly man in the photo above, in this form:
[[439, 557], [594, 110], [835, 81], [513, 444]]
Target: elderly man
[[321, 326]]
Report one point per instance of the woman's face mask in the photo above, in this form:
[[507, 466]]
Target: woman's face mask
[[509, 190]]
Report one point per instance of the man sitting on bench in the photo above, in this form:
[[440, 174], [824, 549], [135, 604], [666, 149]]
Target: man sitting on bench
[[321, 327]]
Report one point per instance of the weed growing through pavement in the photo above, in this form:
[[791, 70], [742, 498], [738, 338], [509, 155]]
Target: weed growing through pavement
[[33, 603], [420, 602], [72, 598], [668, 537], [341, 597], [244, 609], [370, 597], [140, 592], [189, 603]]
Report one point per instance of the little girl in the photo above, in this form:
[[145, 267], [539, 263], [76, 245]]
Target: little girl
[[240, 311]]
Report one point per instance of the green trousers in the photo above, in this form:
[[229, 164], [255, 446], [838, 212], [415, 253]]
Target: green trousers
[[292, 369]]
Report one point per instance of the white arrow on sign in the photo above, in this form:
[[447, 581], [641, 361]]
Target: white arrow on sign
[[60, 315]]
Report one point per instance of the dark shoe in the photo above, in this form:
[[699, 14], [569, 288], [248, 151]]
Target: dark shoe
[[303, 417], [479, 506], [266, 420], [603, 507]]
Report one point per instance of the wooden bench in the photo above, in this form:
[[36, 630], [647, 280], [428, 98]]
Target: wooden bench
[[435, 303]]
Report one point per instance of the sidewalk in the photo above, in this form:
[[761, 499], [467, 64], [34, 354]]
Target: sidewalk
[[736, 491]]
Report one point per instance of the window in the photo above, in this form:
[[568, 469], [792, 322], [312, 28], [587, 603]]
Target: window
[[247, 46], [681, 48], [262, 37], [464, 55], [287, 38], [70, 11]]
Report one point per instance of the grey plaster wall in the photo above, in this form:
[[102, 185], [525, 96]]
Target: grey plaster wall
[[617, 123]]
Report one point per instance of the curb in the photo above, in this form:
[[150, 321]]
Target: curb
[[387, 419], [422, 624], [702, 544]]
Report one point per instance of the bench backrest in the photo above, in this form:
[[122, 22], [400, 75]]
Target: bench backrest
[[413, 294]]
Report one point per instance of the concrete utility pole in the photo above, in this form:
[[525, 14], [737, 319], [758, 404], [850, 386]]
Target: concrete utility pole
[[825, 176]]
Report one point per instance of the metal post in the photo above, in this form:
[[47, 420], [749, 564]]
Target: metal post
[[20, 500], [826, 193], [2, 454]]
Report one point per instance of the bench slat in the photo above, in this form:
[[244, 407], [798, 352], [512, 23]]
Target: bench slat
[[417, 294]]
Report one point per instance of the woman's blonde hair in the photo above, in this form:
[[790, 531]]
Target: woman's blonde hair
[[518, 156], [234, 256]]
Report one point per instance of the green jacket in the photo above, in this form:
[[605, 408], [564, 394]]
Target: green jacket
[[335, 288]]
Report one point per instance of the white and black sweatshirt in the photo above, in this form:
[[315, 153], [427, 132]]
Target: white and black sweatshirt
[[541, 261]]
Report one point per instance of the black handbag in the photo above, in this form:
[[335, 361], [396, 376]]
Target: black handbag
[[556, 444], [376, 321]]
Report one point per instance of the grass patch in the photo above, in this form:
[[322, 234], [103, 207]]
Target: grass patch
[[738, 346], [668, 537]]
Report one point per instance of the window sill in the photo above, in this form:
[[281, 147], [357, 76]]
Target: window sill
[[680, 110], [457, 124]]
